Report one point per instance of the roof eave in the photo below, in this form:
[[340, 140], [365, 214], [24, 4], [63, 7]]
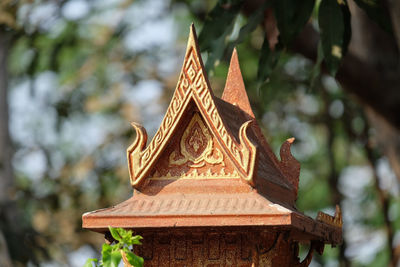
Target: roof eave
[[303, 228]]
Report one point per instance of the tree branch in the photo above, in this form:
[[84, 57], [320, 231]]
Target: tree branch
[[337, 197], [380, 92], [6, 169], [384, 202], [394, 9]]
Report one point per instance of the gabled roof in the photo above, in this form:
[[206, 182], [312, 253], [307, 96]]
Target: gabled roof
[[231, 122], [193, 86], [210, 165]]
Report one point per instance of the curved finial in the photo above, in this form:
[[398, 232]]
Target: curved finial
[[289, 165], [338, 216], [249, 152], [134, 151], [335, 220], [141, 136]]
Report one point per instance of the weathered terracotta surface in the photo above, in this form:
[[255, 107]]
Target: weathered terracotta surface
[[234, 91], [208, 169], [220, 247]]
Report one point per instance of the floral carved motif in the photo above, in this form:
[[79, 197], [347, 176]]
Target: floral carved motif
[[197, 146]]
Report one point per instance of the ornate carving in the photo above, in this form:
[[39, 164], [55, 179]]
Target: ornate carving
[[197, 146], [192, 85], [195, 175], [223, 248], [134, 151], [335, 220], [289, 165]]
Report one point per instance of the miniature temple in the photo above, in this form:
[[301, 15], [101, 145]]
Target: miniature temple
[[208, 190]]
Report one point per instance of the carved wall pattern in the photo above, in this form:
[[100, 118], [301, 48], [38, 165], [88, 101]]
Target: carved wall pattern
[[192, 84], [218, 248]]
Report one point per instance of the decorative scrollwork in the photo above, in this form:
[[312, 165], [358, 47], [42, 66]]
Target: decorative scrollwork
[[289, 165], [335, 220], [197, 146], [222, 174]]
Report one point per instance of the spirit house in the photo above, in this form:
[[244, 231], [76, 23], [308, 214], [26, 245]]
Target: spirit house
[[208, 190]]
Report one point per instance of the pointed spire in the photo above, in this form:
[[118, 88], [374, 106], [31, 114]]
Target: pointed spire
[[235, 91], [192, 40], [193, 50]]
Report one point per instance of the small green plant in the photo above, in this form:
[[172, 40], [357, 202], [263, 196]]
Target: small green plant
[[111, 254]]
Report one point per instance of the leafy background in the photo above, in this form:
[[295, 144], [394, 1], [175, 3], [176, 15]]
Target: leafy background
[[75, 73]]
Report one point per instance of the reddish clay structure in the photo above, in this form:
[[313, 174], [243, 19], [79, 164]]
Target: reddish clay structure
[[208, 190]]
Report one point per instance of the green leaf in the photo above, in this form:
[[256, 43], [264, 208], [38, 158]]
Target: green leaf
[[376, 11], [135, 240], [106, 254], [219, 22], [268, 60], [252, 22], [124, 234], [133, 259], [215, 53], [347, 27], [106, 248], [316, 70], [115, 259], [334, 23], [110, 257], [111, 254], [115, 233], [89, 263], [291, 16], [217, 27], [127, 237]]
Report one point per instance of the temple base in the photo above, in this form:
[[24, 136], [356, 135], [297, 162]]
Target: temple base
[[221, 247]]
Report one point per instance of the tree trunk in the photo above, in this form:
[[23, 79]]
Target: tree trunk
[[6, 170], [370, 72]]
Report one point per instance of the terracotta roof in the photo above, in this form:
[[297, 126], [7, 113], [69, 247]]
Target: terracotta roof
[[194, 205], [268, 168], [231, 124], [213, 209]]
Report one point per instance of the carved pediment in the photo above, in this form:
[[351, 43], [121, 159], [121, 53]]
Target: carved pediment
[[194, 153], [192, 87]]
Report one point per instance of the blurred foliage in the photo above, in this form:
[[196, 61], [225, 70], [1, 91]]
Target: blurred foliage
[[291, 16], [76, 81]]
